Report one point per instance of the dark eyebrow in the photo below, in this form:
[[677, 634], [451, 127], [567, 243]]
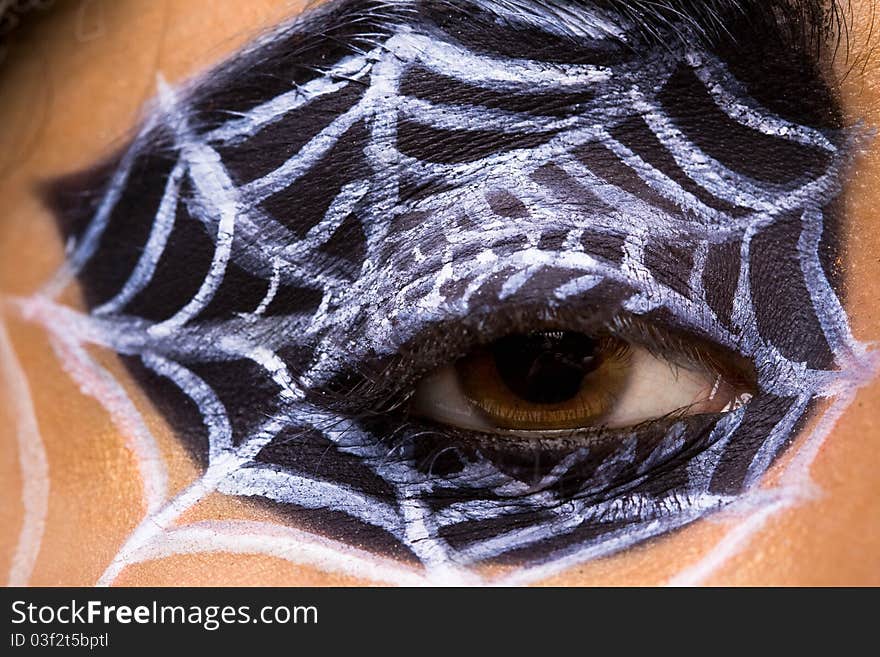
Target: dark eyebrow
[[774, 48], [768, 44], [693, 23], [794, 22]]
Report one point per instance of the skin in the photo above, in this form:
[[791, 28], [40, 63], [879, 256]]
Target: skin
[[73, 84]]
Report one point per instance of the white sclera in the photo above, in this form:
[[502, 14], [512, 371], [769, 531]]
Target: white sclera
[[654, 388]]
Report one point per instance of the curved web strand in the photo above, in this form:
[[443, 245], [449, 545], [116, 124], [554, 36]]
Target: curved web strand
[[32, 462]]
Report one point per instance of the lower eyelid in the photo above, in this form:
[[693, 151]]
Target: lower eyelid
[[601, 463]]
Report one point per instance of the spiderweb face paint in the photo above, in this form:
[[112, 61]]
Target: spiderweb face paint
[[247, 249]]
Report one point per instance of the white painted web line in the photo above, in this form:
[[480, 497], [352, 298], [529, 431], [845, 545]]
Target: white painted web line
[[729, 96], [158, 522], [85, 247], [349, 70], [272, 483], [216, 191], [759, 505], [275, 540], [612, 543], [153, 249], [32, 462], [94, 381]]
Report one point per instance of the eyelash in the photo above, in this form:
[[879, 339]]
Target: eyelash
[[376, 385]]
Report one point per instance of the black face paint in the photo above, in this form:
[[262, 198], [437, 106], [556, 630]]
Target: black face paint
[[293, 241]]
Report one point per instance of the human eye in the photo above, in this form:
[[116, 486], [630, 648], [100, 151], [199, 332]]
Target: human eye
[[555, 382], [468, 285]]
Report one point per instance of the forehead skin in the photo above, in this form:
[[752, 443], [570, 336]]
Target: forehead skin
[[72, 89]]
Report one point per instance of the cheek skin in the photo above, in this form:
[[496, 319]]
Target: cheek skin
[[832, 539]]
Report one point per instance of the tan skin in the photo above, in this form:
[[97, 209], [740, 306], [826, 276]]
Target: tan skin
[[72, 87]]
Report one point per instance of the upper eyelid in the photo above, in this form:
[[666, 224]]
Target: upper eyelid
[[390, 378]]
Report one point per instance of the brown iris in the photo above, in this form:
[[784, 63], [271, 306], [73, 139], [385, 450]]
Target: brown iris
[[550, 380]]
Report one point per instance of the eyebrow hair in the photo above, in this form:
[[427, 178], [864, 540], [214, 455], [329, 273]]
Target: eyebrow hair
[[778, 40], [703, 23], [774, 48]]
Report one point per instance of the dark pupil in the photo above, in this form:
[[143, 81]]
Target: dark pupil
[[545, 368]]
